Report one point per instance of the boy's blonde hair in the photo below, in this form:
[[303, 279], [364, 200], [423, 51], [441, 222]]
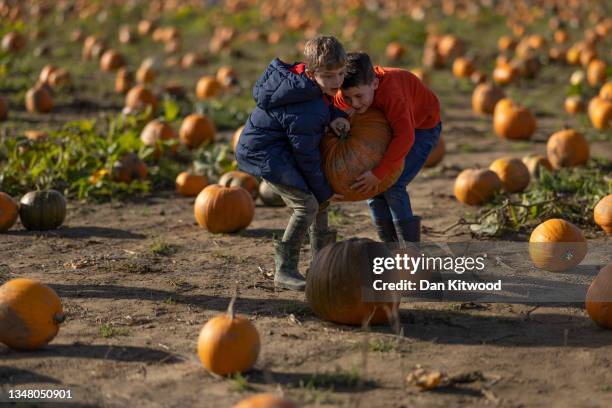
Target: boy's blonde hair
[[324, 52]]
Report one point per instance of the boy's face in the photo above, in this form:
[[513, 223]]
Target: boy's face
[[360, 97], [329, 80]]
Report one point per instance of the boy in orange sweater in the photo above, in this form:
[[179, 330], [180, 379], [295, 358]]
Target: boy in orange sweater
[[413, 111]]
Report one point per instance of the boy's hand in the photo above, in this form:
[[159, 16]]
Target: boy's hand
[[336, 197], [366, 183], [340, 126]]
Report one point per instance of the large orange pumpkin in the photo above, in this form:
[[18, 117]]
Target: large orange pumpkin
[[238, 178], [504, 74], [485, 97], [512, 173], [190, 185], [516, 123], [599, 298], [267, 400], [476, 186], [557, 245], [336, 278], [347, 157], [437, 153], [228, 344], [602, 214], [30, 314], [196, 130], [224, 209], [9, 210], [567, 148]]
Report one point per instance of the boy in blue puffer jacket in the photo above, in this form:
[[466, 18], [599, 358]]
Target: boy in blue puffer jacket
[[280, 143]]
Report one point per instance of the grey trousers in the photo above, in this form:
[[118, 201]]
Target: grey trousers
[[307, 215]]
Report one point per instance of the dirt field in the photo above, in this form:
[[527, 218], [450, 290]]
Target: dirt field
[[138, 280], [138, 277]]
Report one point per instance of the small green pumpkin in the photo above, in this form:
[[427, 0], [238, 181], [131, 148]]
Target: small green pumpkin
[[42, 210]]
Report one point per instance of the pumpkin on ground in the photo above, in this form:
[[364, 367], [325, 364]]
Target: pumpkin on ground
[[196, 130], [190, 185], [346, 157], [267, 400], [38, 99], [157, 131], [129, 168], [30, 314], [476, 186], [208, 87], [515, 123], [535, 163], [13, 42], [602, 214], [600, 113], [9, 210], [124, 80], [224, 209], [228, 344], [512, 173], [599, 298], [567, 148], [394, 51], [606, 91], [238, 178], [268, 196], [463, 68], [574, 104], [335, 280], [111, 60], [139, 99], [437, 153], [557, 245], [4, 110], [485, 97], [236, 137], [42, 210]]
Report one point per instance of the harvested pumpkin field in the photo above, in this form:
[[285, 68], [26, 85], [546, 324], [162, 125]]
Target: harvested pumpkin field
[[120, 123]]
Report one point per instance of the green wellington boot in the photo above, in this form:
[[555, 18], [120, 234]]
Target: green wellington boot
[[286, 258]]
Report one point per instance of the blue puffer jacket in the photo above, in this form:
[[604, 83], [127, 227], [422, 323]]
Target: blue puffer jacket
[[280, 141]]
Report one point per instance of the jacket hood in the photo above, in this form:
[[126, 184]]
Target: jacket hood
[[278, 86]]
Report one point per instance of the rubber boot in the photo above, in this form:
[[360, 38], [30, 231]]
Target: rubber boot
[[385, 230], [286, 258], [409, 230], [319, 240]]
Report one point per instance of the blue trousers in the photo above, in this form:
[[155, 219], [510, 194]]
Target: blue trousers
[[395, 203]]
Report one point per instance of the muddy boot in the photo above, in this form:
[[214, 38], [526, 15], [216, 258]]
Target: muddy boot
[[286, 258], [319, 240], [385, 230], [409, 230]]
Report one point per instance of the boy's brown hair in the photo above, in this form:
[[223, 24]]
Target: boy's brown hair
[[359, 70], [324, 52]]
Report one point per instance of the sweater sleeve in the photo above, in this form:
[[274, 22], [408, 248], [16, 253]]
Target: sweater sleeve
[[399, 115]]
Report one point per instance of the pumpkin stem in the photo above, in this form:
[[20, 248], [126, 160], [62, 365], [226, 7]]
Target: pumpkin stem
[[230, 308]]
